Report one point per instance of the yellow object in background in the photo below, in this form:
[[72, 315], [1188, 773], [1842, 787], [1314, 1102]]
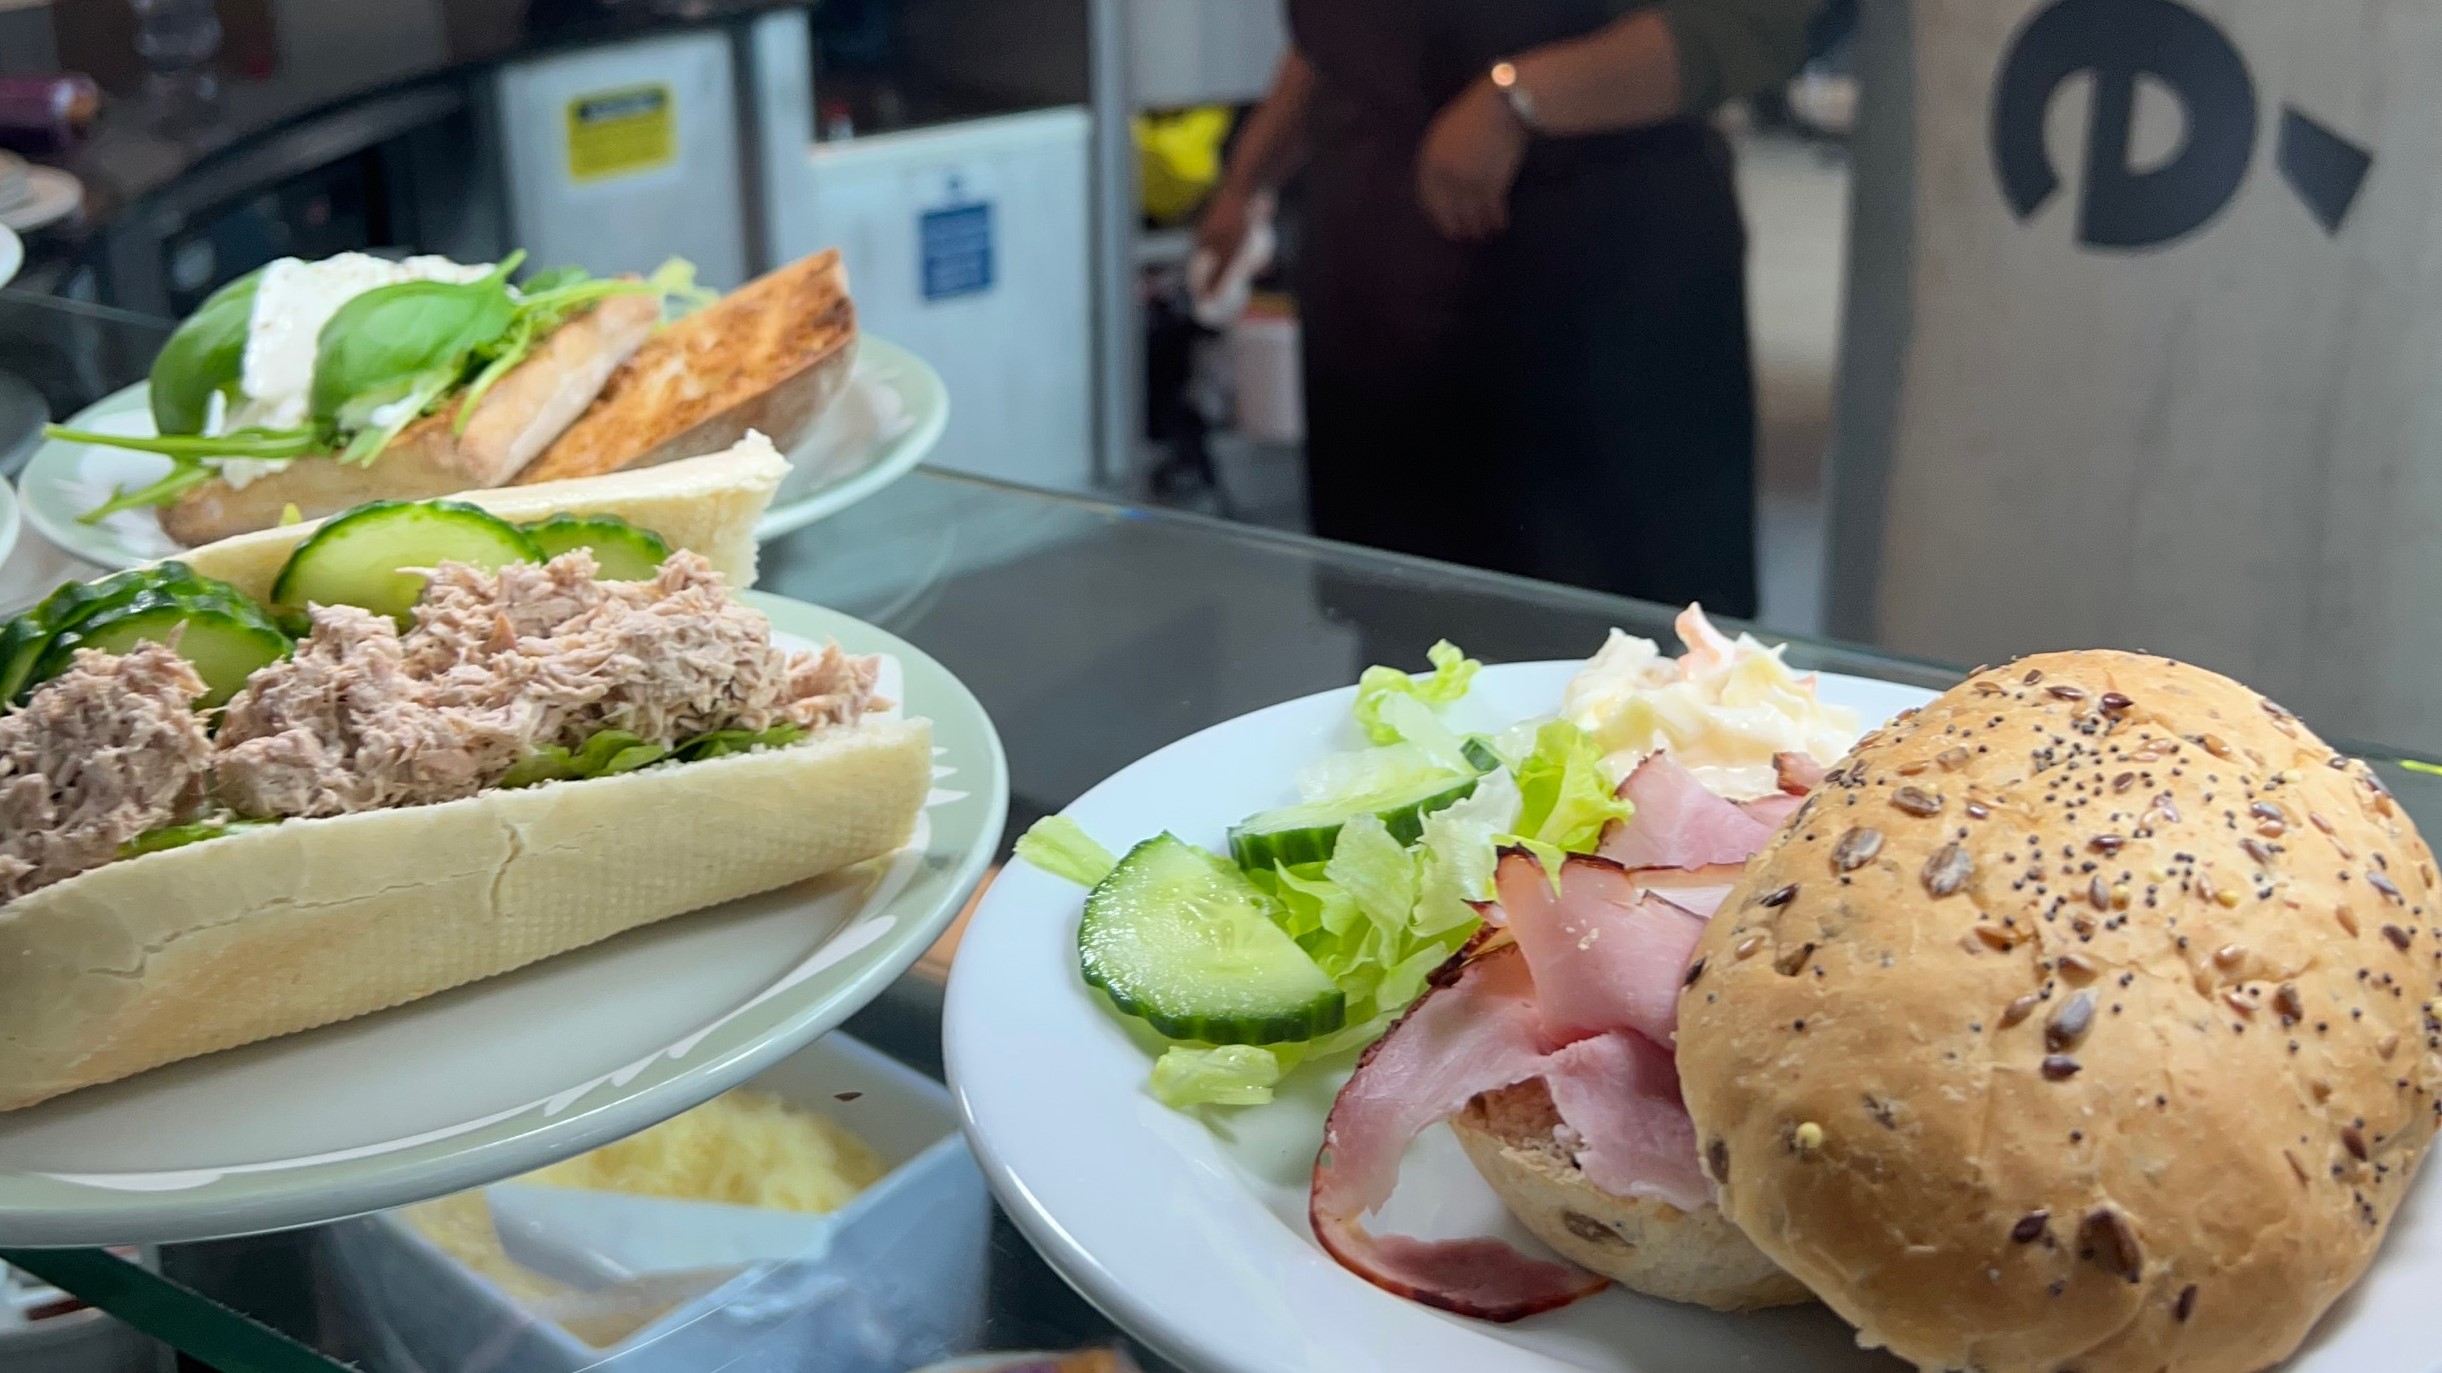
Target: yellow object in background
[[1178, 157], [620, 132], [744, 1148]]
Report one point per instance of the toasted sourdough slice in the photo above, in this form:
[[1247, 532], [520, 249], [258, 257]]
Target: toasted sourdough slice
[[271, 931], [769, 356], [709, 505], [1648, 1246], [515, 421]]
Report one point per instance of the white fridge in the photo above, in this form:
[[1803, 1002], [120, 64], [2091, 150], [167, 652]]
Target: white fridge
[[968, 243]]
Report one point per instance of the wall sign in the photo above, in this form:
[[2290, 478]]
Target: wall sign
[[955, 248], [2122, 206], [621, 132]]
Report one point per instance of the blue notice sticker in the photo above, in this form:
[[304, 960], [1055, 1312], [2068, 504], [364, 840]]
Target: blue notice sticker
[[957, 245]]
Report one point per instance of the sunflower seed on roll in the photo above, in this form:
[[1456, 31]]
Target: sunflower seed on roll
[[2119, 1059]]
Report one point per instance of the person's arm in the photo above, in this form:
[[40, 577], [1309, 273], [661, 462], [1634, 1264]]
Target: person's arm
[[1682, 57], [1270, 150]]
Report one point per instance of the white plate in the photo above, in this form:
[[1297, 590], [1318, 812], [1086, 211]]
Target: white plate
[[12, 254], [9, 522], [504, 1076], [51, 195], [1198, 1243], [884, 422]]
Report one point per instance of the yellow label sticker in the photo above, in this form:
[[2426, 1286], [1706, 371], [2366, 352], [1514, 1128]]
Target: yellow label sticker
[[621, 132]]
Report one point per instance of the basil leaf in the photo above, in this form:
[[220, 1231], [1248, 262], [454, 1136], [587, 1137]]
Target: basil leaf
[[206, 354], [418, 396], [385, 343], [551, 279]]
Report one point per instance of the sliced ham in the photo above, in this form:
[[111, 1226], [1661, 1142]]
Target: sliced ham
[[1678, 824], [1620, 1093], [1577, 983], [1698, 891], [1478, 1033], [1772, 811], [1799, 773], [1605, 955], [1490, 1023]]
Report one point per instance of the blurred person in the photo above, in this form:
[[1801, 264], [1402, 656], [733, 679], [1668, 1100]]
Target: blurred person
[[1523, 291]]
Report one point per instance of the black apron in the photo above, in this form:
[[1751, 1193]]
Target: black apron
[[1572, 400]]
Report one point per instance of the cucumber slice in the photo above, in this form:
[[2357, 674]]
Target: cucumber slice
[[361, 558], [1180, 940], [26, 639], [625, 552], [21, 645], [1308, 833], [225, 638], [1479, 751]]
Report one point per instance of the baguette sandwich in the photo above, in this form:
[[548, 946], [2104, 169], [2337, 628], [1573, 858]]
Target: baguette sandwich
[[313, 387], [214, 833]]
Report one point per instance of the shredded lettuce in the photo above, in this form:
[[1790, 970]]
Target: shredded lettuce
[[1369, 774], [1420, 729], [721, 743], [1375, 870], [1453, 672], [611, 751], [1564, 799], [1226, 1075], [614, 751], [1060, 846], [1458, 854], [179, 836]]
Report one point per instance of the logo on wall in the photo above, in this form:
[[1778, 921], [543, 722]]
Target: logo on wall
[[2126, 206]]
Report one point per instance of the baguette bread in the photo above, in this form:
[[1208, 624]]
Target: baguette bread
[[1642, 1244], [514, 422], [768, 357], [709, 505], [268, 932]]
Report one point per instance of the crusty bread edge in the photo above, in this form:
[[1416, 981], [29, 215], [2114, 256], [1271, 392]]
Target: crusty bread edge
[[1645, 1245], [785, 409], [268, 932], [709, 504], [786, 412]]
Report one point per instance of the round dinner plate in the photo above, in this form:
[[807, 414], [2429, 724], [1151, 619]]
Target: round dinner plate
[[10, 522], [494, 1079], [1194, 1237], [884, 422]]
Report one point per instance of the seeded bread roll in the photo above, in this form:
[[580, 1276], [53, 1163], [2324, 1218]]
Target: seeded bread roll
[[1645, 1245], [2084, 1019]]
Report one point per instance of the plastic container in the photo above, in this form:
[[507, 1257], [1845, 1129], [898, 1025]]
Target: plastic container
[[1264, 359], [891, 1281]]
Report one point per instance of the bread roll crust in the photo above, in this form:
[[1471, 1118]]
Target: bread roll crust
[[2081, 1020], [1645, 1245]]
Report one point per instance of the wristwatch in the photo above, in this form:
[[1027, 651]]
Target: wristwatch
[[1521, 100]]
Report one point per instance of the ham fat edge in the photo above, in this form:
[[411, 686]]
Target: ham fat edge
[[1575, 982]]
